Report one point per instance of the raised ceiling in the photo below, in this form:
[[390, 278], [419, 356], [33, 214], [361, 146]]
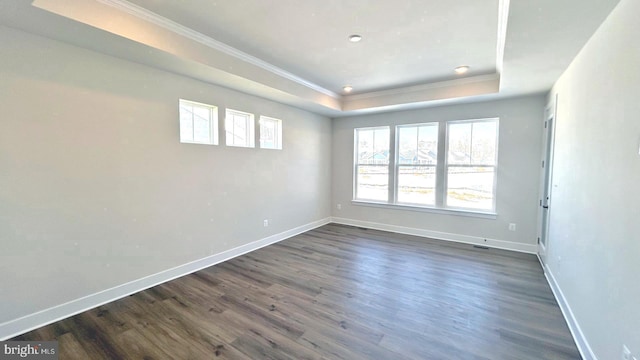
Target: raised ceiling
[[404, 42], [297, 52]]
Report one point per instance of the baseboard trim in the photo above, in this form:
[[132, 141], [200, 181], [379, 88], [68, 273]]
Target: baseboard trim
[[572, 322], [36, 320], [474, 240]]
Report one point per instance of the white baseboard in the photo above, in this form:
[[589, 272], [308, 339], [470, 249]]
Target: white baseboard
[[572, 322], [492, 243], [33, 321]]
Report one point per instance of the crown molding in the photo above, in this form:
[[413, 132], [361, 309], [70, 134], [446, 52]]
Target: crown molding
[[203, 39], [422, 87]]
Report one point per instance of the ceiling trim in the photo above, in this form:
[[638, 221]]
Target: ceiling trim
[[423, 87], [423, 94], [189, 33]]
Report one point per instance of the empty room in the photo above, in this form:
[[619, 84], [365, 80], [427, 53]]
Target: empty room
[[358, 179]]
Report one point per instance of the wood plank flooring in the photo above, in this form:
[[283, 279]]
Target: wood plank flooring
[[336, 292]]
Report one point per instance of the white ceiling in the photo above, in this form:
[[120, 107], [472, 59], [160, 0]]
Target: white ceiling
[[297, 52], [405, 42]]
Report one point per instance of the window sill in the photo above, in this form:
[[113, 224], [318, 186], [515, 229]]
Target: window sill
[[456, 212]]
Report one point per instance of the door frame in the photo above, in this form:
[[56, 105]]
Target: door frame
[[546, 177]]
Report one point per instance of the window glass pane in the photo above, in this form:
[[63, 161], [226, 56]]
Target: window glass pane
[[381, 146], [407, 145], [484, 143], [229, 128], [267, 134], [372, 164], [418, 144], [373, 146], [428, 144], [417, 184], [470, 187], [267, 131], [373, 183], [239, 128], [186, 122], [198, 123], [201, 123], [270, 133], [460, 144], [365, 146]]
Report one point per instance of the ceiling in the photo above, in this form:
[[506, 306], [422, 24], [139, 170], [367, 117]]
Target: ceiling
[[310, 38], [297, 52]]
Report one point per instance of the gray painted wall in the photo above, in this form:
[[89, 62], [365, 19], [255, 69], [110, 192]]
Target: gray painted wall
[[521, 121], [594, 244], [96, 190]]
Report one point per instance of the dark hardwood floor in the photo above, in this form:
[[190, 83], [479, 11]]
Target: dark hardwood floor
[[336, 292]]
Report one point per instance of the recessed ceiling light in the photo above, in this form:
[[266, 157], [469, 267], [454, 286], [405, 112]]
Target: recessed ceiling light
[[461, 69], [355, 38], [347, 88]]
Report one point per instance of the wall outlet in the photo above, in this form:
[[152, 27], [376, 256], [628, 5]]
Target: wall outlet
[[626, 354], [339, 206], [265, 223], [512, 227]]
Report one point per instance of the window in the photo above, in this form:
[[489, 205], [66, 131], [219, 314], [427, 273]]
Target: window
[[198, 123], [417, 157], [270, 133], [239, 128], [446, 165], [372, 164], [471, 164]]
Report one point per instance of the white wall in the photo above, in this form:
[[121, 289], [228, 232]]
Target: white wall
[[96, 190], [594, 244], [520, 142]]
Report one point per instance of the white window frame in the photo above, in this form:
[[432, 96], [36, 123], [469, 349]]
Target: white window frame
[[442, 165], [398, 165], [277, 132], [494, 166], [356, 164], [213, 122], [249, 128]]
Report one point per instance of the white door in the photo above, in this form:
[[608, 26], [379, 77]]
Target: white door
[[547, 176]]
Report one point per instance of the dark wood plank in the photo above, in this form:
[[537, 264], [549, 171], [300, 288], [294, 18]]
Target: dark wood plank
[[337, 292]]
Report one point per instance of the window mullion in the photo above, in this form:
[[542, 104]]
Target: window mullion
[[441, 165], [391, 167]]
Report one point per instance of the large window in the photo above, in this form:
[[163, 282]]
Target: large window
[[372, 164], [447, 165], [198, 123], [416, 161], [471, 164], [239, 128]]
